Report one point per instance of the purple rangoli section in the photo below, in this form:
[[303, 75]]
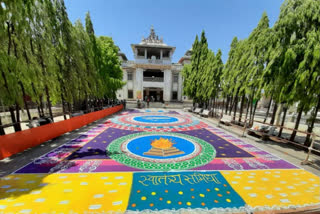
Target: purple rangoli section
[[72, 151], [223, 147], [96, 148]]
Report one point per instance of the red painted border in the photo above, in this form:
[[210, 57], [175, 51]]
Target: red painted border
[[17, 142]]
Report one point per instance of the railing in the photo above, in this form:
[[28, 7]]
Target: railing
[[17, 142], [155, 61], [153, 79], [164, 61], [127, 64]]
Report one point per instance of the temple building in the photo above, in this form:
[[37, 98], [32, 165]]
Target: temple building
[[152, 74]]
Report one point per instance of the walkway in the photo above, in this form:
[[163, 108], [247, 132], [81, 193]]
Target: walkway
[[154, 160]]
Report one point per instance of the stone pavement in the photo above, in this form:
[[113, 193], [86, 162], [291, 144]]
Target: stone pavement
[[155, 159]]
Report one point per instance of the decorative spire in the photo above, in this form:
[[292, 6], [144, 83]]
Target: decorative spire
[[152, 38]]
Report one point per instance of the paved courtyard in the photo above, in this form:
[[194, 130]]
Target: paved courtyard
[[151, 160]]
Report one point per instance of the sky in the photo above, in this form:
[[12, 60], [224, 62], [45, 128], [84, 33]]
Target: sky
[[177, 21]]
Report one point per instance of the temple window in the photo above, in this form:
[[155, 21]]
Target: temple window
[[175, 78], [129, 75], [140, 52], [174, 95], [166, 53]]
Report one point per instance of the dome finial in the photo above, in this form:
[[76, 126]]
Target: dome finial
[[152, 38]]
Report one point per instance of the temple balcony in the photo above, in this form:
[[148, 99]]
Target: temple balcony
[[153, 75], [163, 61], [153, 79]]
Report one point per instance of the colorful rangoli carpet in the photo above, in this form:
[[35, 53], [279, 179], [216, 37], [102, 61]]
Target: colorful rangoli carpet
[[157, 161]]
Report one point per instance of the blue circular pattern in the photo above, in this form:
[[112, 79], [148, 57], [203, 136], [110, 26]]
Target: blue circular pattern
[[141, 145], [155, 119]]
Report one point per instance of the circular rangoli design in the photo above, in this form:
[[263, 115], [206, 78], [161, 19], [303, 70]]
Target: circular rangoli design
[[155, 119], [161, 151], [158, 121]]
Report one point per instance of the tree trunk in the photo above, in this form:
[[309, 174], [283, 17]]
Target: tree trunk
[[231, 105], [18, 115], [283, 120], [311, 124], [278, 114], [22, 87], [222, 105], [16, 125], [95, 104], [12, 114], [63, 107], [34, 91], [43, 66], [41, 107], [24, 100], [254, 110], [75, 104], [86, 102], [235, 108], [294, 133], [274, 113], [267, 114], [227, 105], [214, 106], [9, 37], [70, 109], [251, 109], [241, 107], [248, 105], [1, 128], [49, 103], [39, 111]]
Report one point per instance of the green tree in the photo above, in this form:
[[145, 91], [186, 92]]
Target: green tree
[[110, 67], [194, 85], [228, 73], [296, 55], [190, 87], [256, 59], [44, 57]]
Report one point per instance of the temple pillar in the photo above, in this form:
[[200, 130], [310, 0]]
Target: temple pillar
[[135, 53], [167, 85], [125, 87], [180, 87], [138, 84]]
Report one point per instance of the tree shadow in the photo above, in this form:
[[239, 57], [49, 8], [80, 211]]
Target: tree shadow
[[91, 152], [112, 153], [15, 185]]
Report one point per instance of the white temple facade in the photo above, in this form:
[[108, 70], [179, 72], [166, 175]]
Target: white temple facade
[[152, 74]]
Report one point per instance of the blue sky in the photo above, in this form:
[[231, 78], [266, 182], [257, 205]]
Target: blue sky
[[177, 21]]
